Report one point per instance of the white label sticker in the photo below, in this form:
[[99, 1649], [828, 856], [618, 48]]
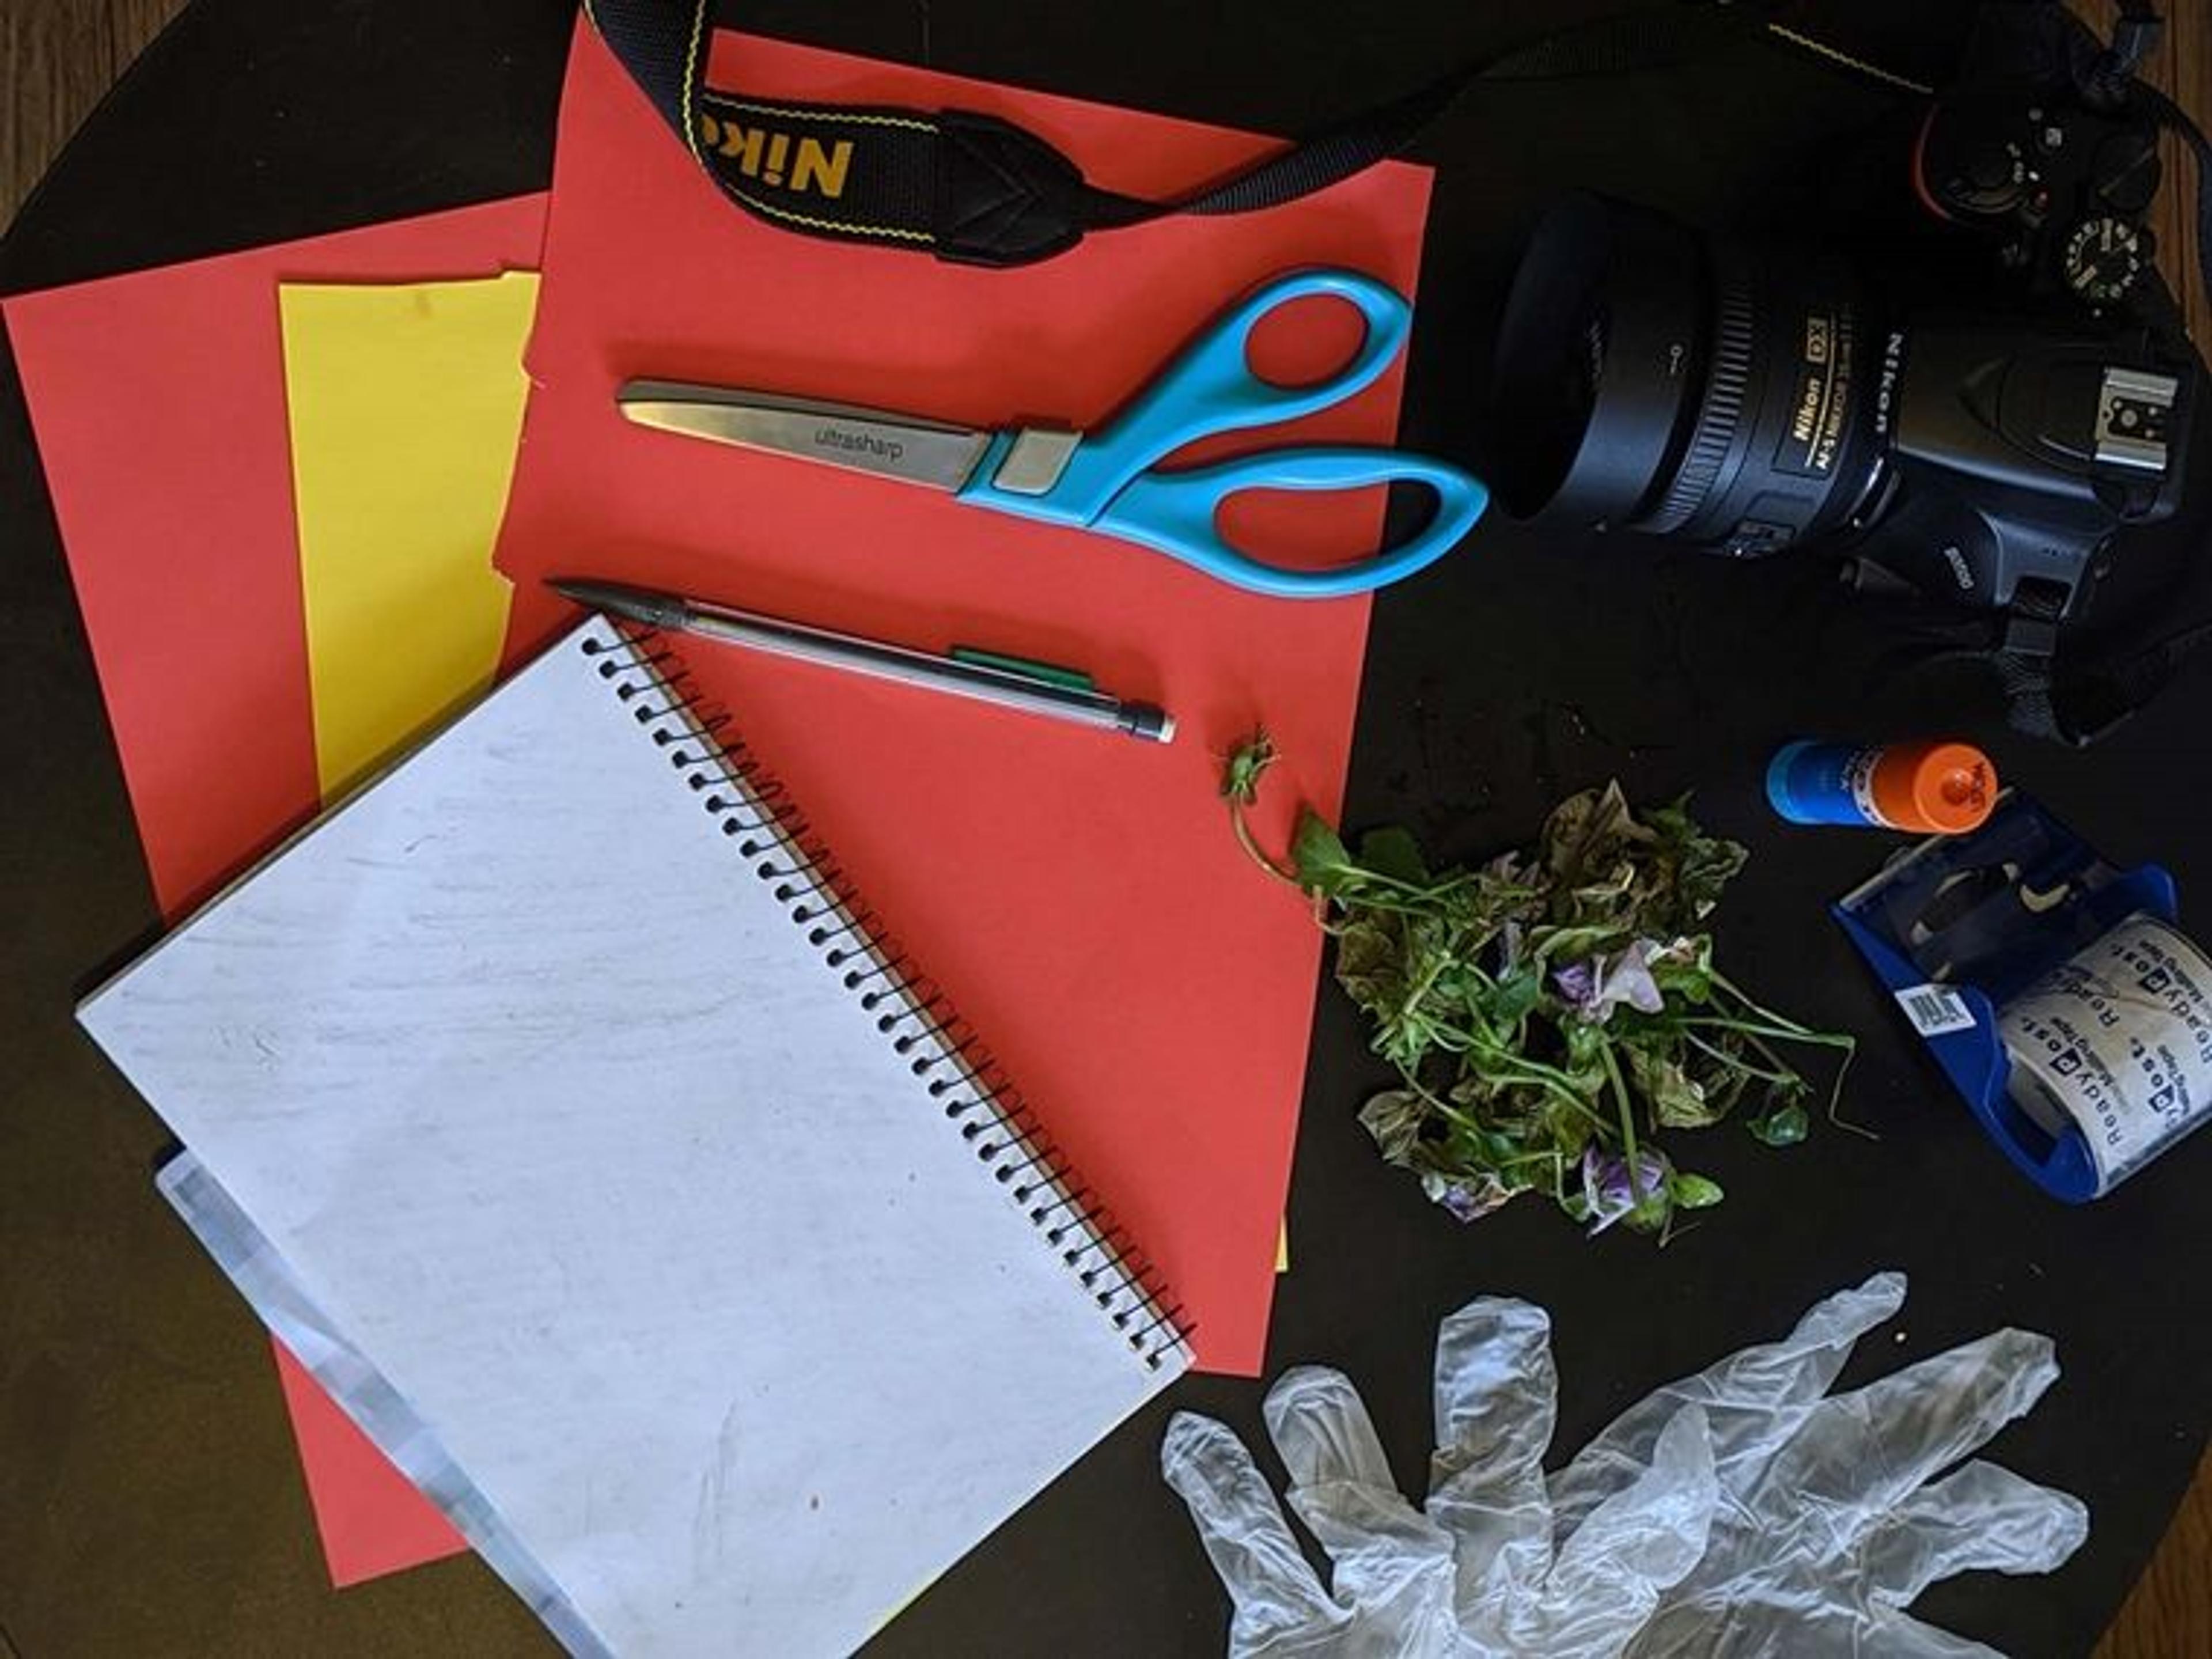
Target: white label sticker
[[2116, 1042], [1935, 1009]]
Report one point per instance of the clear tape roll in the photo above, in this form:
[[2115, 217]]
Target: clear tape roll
[[2116, 1042]]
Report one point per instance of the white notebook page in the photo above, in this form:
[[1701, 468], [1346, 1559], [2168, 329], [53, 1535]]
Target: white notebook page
[[553, 1110]]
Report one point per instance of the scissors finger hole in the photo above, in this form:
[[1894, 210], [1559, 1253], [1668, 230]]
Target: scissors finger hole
[[1297, 530], [1309, 341]]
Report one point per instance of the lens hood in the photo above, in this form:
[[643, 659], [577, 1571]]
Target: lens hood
[[1599, 361]]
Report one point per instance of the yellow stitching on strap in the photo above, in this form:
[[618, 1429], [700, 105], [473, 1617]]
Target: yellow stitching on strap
[[725, 100], [692, 83], [1849, 62]]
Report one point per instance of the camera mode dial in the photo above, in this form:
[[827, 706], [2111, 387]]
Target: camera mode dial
[[1976, 158], [1984, 176], [2102, 258]]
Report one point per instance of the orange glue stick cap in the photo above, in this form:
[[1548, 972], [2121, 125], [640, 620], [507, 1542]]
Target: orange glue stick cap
[[1937, 788]]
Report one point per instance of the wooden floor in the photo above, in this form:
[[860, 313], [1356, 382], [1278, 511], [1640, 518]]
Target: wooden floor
[[57, 57]]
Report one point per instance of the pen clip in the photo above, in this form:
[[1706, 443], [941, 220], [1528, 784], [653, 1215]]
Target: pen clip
[[1040, 674]]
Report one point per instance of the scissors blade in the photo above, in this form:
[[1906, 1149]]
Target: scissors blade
[[863, 440]]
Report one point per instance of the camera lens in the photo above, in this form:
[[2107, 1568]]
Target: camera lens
[[1719, 393]]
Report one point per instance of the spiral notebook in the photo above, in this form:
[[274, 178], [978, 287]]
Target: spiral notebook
[[586, 1110]]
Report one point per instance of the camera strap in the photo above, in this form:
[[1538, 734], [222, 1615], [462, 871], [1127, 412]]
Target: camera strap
[[2057, 687], [2078, 702], [2039, 700], [2170, 116], [975, 189]]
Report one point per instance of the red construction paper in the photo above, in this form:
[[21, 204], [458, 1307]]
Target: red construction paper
[[158, 401], [1078, 898], [371, 1519]]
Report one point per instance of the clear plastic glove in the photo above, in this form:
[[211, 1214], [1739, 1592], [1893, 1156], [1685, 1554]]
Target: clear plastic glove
[[1833, 1517], [1486, 1569], [1809, 1522]]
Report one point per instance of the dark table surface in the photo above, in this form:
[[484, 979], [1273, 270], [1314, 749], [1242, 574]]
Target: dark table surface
[[150, 1502]]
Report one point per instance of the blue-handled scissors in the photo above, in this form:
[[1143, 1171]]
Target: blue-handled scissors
[[1103, 481]]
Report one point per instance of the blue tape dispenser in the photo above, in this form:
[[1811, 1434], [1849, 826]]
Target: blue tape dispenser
[[2053, 988]]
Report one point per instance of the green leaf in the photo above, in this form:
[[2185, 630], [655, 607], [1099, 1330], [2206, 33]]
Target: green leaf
[[1700, 865], [1676, 1101], [1585, 1044], [1395, 1118], [1557, 946], [1509, 1000], [1370, 961], [1784, 1126], [1507, 889], [1375, 964], [1566, 1129], [1684, 969], [1247, 763], [1652, 1215], [1393, 852], [1319, 855], [1584, 829], [1693, 1192]]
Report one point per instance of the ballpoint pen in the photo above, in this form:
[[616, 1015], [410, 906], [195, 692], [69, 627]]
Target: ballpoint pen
[[987, 677]]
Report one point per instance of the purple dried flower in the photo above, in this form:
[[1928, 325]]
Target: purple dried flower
[[1468, 1198], [1627, 978], [1577, 983], [1594, 989], [1605, 1186]]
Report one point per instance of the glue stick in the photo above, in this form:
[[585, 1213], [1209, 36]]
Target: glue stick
[[1931, 788]]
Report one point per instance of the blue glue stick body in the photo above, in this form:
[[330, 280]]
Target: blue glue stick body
[[1933, 788]]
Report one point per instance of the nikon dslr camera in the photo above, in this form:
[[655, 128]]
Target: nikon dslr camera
[[1987, 449]]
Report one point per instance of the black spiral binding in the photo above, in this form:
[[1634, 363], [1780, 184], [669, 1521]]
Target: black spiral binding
[[772, 835]]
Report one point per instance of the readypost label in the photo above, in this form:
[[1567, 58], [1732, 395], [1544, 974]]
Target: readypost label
[[2116, 1042]]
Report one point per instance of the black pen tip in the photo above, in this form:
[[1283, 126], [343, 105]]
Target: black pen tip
[[1142, 720], [635, 604]]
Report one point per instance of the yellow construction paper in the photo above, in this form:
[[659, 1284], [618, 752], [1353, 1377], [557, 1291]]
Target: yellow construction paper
[[405, 407], [1283, 1248]]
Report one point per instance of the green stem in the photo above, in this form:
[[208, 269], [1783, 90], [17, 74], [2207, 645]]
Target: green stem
[[1415, 993], [1529, 1158], [1254, 850], [1386, 906], [1836, 1098], [1364, 900], [1502, 1064], [1784, 1076], [1627, 1124], [1785, 1032], [1433, 890], [1764, 1047], [1452, 1114], [1766, 1015], [1474, 1125], [1510, 1068], [1558, 1091], [1849, 1044], [1430, 1095]]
